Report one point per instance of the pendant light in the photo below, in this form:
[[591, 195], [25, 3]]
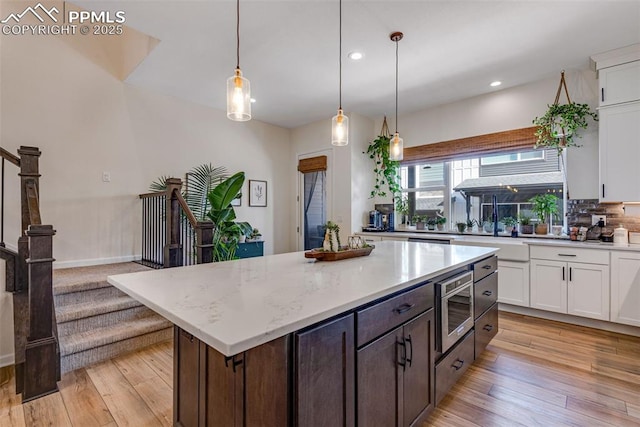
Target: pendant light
[[340, 122], [238, 88], [396, 145]]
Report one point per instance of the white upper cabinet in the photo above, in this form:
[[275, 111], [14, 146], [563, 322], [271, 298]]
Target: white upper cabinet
[[620, 153], [619, 84]]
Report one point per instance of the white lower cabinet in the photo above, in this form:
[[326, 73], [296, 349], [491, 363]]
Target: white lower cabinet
[[577, 288], [625, 288], [513, 283]]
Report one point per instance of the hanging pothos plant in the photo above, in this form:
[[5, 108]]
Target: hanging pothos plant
[[386, 170], [560, 124]]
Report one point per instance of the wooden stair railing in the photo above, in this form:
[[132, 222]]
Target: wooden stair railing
[[37, 354], [165, 216]]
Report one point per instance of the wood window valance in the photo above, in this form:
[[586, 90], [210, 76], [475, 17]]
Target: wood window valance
[[491, 143], [313, 164]]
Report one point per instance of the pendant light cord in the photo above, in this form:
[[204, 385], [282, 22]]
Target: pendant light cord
[[396, 86], [238, 34], [340, 59]]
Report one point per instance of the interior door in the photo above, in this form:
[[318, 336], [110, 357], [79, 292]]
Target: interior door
[[314, 201]]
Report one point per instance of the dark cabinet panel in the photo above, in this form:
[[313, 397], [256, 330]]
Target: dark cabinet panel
[[484, 268], [485, 294], [185, 379], [380, 380], [377, 319], [222, 389], [486, 328], [451, 368], [395, 375], [418, 395], [324, 390]]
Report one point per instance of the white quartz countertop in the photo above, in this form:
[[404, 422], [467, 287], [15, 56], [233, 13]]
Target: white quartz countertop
[[236, 305]]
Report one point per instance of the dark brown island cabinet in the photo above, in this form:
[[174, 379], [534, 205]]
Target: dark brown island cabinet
[[376, 365]]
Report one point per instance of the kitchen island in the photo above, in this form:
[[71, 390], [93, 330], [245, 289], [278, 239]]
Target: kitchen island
[[273, 340]]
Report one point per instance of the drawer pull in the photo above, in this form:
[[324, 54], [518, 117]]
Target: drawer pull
[[571, 255], [403, 308], [408, 358], [458, 364], [488, 328], [487, 293], [487, 267], [403, 358]]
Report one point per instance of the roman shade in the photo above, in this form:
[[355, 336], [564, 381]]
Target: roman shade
[[491, 143], [313, 164]]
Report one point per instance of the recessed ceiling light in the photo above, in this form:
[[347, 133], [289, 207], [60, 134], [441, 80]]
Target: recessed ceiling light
[[356, 55], [253, 100], [496, 83]]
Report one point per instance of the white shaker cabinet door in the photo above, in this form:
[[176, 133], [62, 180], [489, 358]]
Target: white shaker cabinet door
[[625, 288], [620, 153], [588, 290], [513, 283], [549, 285]]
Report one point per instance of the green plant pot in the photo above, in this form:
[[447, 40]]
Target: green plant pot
[[461, 228]]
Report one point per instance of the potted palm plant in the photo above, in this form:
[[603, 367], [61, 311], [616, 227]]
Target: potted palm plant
[[544, 205]]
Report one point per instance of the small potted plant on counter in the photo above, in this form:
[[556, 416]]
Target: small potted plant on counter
[[487, 227], [509, 223], [419, 220], [544, 205], [461, 226], [472, 225], [402, 208], [431, 224], [254, 236], [525, 224], [440, 222]]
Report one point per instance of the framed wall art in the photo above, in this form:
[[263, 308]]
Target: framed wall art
[[257, 193]]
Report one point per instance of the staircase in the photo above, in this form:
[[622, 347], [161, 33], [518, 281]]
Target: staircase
[[96, 321]]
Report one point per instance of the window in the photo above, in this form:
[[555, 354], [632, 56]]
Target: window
[[512, 157], [463, 189]]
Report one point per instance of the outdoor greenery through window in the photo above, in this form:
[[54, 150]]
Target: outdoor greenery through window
[[462, 190]]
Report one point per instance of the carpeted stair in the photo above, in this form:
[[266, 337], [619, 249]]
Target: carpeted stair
[[96, 321]]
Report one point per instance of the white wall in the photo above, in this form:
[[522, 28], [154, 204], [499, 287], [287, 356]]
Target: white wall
[[85, 122], [513, 108]]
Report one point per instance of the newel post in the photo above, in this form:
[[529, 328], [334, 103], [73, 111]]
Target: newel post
[[204, 242], [41, 359], [173, 246], [29, 177]]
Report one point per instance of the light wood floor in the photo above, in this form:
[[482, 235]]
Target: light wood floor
[[534, 373]]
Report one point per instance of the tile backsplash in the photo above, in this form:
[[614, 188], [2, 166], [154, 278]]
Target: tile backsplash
[[579, 214]]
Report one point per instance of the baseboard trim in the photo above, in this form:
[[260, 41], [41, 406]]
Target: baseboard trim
[[7, 360], [574, 320], [95, 261]]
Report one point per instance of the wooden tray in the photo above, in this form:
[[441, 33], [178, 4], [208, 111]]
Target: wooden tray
[[344, 253]]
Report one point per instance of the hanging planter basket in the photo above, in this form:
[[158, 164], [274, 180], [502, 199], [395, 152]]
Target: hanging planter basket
[[386, 170], [559, 126]]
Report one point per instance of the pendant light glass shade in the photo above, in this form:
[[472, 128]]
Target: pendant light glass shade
[[340, 129], [238, 97], [396, 147]]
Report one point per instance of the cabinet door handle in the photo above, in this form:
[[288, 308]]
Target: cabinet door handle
[[458, 364], [488, 328], [603, 191], [403, 357], [569, 255], [563, 273], [233, 360], [403, 308], [602, 98], [487, 267], [570, 271], [410, 357], [487, 293]]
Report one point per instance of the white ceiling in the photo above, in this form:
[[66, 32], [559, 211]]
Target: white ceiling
[[289, 49]]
